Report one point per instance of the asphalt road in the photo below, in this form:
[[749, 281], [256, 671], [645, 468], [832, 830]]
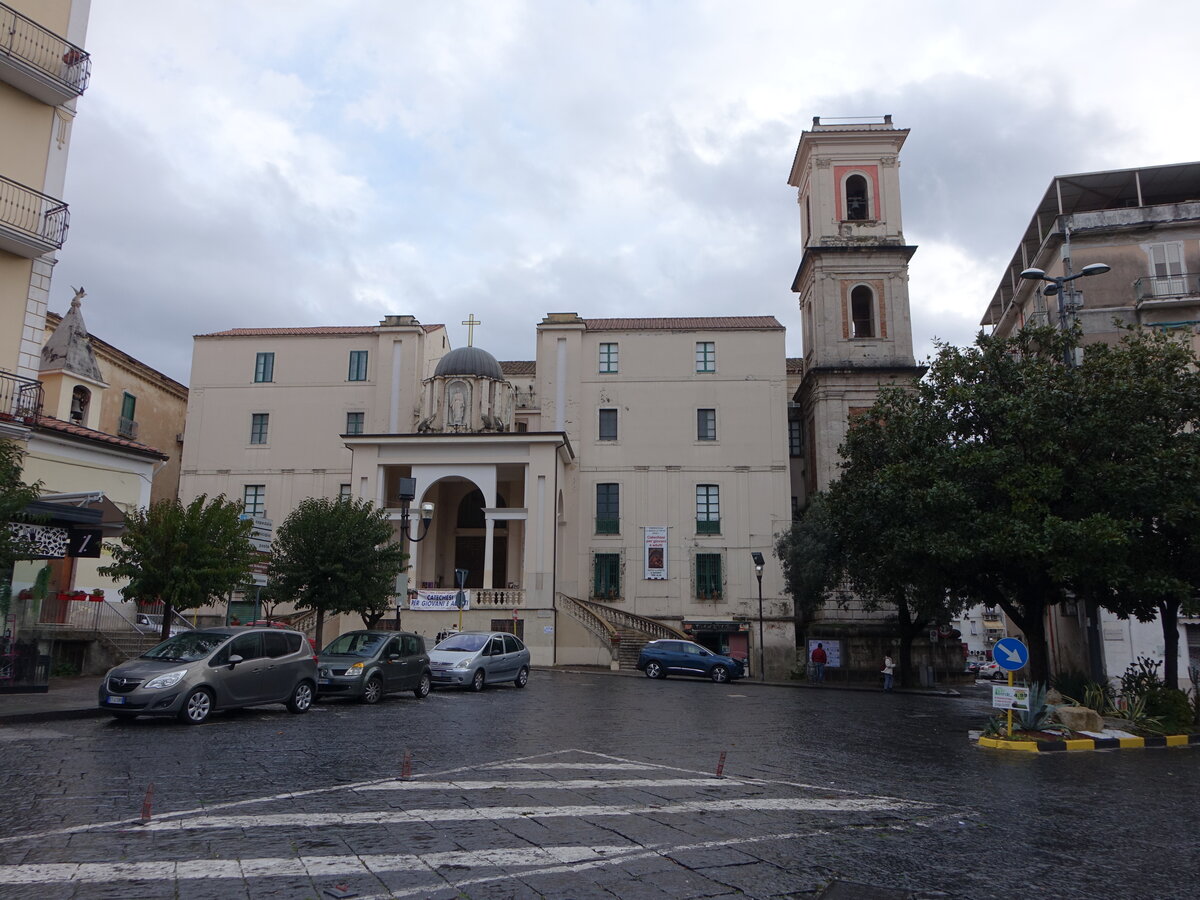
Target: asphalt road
[[588, 785]]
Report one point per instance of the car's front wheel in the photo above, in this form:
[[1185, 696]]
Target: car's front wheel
[[655, 670], [719, 674], [522, 678], [197, 707], [424, 686], [372, 690], [478, 681], [302, 698]]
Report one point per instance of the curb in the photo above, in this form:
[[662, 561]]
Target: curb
[[1130, 743], [50, 715]]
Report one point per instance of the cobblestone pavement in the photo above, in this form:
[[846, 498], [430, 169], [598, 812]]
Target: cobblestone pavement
[[586, 786]]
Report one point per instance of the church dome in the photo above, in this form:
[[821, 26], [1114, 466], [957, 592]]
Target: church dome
[[472, 362]]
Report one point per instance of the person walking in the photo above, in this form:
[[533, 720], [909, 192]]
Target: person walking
[[819, 658], [888, 669]]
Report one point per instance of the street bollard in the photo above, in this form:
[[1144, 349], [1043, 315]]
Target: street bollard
[[721, 765], [147, 803], [406, 766]]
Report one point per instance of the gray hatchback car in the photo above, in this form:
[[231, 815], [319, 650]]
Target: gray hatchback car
[[368, 664], [479, 658], [196, 672]]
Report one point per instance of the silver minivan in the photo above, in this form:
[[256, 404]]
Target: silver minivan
[[196, 672], [479, 658]]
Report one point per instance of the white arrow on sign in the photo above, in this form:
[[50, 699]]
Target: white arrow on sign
[[1013, 655]]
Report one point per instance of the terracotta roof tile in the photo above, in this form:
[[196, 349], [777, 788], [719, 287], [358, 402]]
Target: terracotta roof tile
[[698, 323], [49, 423], [518, 367], [795, 365]]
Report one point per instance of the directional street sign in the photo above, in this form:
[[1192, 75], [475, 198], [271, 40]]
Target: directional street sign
[[1010, 654]]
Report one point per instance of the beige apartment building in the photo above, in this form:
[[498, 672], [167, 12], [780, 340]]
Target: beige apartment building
[[1144, 224], [610, 491]]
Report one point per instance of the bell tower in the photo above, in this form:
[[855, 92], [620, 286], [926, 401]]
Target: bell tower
[[852, 280]]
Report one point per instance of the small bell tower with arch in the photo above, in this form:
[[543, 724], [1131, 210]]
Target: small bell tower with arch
[[852, 281]]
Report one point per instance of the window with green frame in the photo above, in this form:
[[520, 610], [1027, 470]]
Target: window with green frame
[[606, 576], [264, 367], [708, 509], [608, 509], [358, 366], [708, 576]]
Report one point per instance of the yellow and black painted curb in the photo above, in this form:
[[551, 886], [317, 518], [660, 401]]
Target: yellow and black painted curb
[[1125, 743]]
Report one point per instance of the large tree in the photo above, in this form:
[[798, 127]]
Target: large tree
[[182, 556], [337, 556]]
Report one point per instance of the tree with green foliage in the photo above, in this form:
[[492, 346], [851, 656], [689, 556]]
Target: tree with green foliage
[[15, 495], [337, 556], [182, 556]]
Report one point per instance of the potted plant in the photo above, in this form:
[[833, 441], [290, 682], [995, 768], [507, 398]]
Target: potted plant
[[97, 595]]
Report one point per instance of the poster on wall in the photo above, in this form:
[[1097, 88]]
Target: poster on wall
[[833, 651], [437, 600], [656, 552]]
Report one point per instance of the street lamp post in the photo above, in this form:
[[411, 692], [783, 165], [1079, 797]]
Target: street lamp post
[[407, 492], [1066, 309], [758, 567]]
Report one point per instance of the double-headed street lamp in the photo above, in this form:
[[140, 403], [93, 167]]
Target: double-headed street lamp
[[758, 567], [1056, 285]]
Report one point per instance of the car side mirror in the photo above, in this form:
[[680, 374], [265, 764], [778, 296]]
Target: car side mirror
[[235, 659], [393, 656]]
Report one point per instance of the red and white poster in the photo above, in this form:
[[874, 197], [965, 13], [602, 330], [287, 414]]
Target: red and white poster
[[656, 552]]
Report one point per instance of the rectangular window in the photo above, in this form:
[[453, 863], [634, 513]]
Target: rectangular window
[[608, 509], [608, 425], [708, 576], [708, 509], [706, 424], [258, 428], [254, 499], [343, 492], [795, 439], [1166, 267], [264, 367], [608, 358], [606, 583], [706, 356], [354, 423], [127, 426], [358, 366]]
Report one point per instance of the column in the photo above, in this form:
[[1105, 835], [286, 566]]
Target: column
[[489, 532]]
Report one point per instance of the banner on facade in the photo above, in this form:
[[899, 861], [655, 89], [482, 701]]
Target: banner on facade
[[426, 599], [656, 552]]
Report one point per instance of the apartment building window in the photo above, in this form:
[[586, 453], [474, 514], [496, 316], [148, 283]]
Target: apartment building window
[[358, 366], [706, 356], [706, 424], [862, 311], [258, 428], [343, 492], [608, 425], [608, 358], [708, 509], [254, 499], [608, 509], [264, 367], [127, 425], [606, 576], [795, 439], [856, 198], [708, 576], [354, 423], [1166, 268]]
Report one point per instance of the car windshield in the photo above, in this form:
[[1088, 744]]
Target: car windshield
[[354, 644], [464, 643], [188, 646]]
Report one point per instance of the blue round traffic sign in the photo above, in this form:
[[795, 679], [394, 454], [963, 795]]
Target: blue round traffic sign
[[1010, 654]]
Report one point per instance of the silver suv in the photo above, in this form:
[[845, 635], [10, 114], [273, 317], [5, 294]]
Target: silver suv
[[196, 672]]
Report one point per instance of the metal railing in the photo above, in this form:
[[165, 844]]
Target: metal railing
[[33, 214], [20, 398], [43, 50], [127, 428], [1160, 287]]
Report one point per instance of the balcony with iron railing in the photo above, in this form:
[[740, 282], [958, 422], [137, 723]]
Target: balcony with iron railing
[[31, 223], [607, 525], [39, 62], [127, 428], [1167, 290], [20, 399]]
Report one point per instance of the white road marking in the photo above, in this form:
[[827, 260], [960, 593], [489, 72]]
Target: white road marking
[[587, 767], [572, 785], [498, 813]]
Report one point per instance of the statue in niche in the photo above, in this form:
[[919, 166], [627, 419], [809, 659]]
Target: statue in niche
[[457, 405]]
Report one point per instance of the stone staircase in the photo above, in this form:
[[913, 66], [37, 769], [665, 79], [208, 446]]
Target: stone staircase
[[127, 645], [625, 632]]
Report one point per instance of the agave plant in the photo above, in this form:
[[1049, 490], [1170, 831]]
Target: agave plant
[[1038, 715]]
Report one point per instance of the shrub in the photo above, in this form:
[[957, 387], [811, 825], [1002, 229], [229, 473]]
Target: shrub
[[1038, 715], [1071, 684], [1171, 707], [1141, 678]]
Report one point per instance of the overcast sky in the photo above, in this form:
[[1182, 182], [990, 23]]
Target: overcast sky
[[297, 162]]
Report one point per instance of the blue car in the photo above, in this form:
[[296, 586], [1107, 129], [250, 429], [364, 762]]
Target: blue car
[[661, 658]]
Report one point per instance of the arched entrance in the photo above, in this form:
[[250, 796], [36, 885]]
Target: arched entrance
[[470, 536]]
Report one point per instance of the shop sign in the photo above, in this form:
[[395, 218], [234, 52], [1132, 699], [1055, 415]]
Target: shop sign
[[656, 552], [40, 541], [434, 600], [714, 626]]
